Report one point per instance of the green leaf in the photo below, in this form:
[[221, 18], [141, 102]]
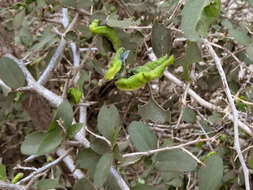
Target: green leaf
[[239, 34], [192, 55], [250, 161], [153, 111], [47, 184], [18, 19], [68, 2], [210, 177], [161, 40], [109, 122], [88, 159], [103, 169], [11, 74], [74, 129], [39, 143], [84, 4], [189, 115], [208, 16], [173, 178], [190, 17], [75, 95], [175, 160], [143, 187], [84, 182], [198, 16], [249, 52], [2, 172], [46, 40], [113, 21], [141, 136], [100, 146], [65, 113]]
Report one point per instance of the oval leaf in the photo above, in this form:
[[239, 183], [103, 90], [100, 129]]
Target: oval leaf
[[141, 136], [161, 40], [210, 177], [109, 122], [153, 111], [65, 113], [175, 160], [103, 169], [11, 74]]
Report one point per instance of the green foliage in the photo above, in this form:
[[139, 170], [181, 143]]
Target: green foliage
[[11, 74], [75, 95], [210, 177], [103, 169], [84, 182], [39, 143], [2, 172], [107, 32], [197, 24], [63, 116], [141, 136], [153, 111], [108, 122], [189, 115], [74, 129], [47, 184]]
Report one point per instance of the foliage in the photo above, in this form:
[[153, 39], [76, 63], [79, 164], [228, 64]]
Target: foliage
[[121, 92]]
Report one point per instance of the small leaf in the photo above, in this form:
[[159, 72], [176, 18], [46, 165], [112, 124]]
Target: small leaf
[[65, 113], [103, 169], [18, 19], [88, 159], [74, 129], [75, 95], [84, 182], [173, 178], [249, 52], [190, 20], [250, 160], [144, 187], [47, 184], [11, 74], [161, 40], [239, 34], [32, 142], [113, 21], [109, 122], [2, 172], [141, 136], [175, 160], [50, 142], [39, 143], [153, 111], [210, 177], [189, 115]]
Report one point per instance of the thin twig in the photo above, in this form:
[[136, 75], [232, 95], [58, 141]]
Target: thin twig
[[40, 170], [9, 186], [150, 152], [234, 110]]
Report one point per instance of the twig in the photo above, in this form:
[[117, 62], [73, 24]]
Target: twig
[[204, 103], [122, 184], [234, 110], [9, 186], [68, 160], [193, 156], [150, 152], [99, 137], [40, 170]]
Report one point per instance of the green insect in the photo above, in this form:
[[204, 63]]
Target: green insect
[[107, 32], [144, 74], [117, 64]]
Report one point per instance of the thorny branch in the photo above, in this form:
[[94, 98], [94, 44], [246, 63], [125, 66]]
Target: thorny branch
[[234, 110]]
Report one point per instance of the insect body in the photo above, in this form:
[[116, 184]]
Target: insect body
[[107, 32], [144, 74]]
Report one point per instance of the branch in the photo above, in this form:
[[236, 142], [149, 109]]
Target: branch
[[9, 186], [234, 110], [40, 170]]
